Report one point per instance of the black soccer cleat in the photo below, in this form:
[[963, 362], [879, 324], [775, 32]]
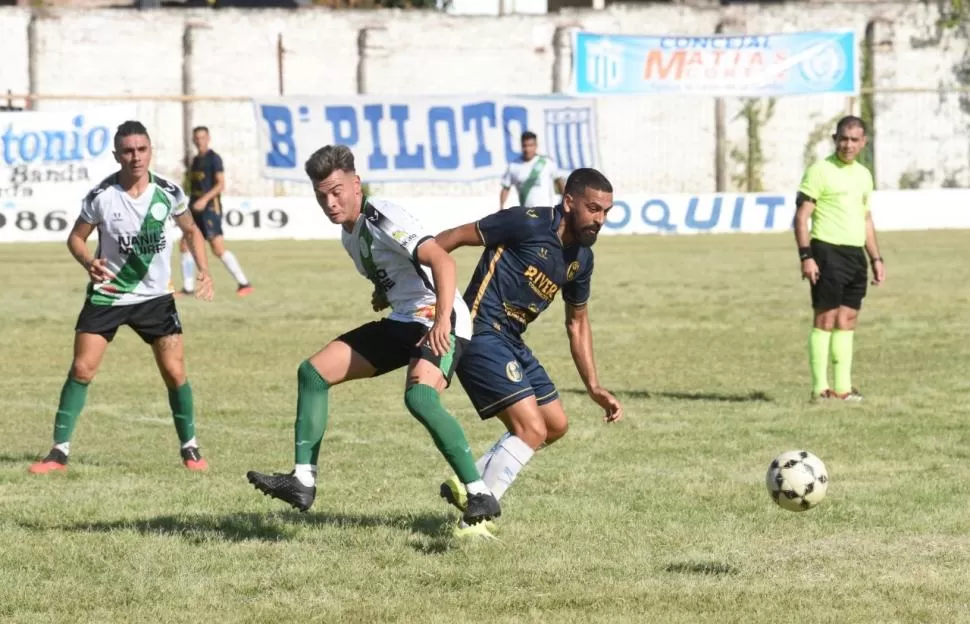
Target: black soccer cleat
[[481, 507], [56, 461], [193, 460], [285, 487]]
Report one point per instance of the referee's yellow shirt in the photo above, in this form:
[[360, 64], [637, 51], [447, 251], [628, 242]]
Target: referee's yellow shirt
[[841, 192]]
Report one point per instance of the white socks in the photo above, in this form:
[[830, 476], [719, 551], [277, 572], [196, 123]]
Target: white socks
[[476, 487], [306, 474], [191, 443], [232, 265], [64, 447], [188, 272], [487, 457], [228, 259], [507, 460]]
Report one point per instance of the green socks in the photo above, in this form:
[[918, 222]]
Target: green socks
[[842, 360], [818, 359], [180, 400], [424, 404], [311, 414], [73, 395], [839, 343]]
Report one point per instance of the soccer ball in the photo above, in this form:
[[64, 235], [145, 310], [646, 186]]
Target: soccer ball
[[797, 480]]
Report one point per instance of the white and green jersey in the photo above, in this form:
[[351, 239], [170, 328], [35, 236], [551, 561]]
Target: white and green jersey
[[132, 239], [535, 181], [384, 246]]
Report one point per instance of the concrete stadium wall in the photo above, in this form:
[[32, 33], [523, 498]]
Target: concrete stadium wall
[[657, 144]]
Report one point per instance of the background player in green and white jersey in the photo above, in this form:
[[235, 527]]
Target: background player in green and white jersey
[[130, 285], [427, 329], [536, 178], [834, 193]]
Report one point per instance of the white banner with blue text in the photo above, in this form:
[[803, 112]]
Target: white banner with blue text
[[299, 218], [423, 138], [57, 155]]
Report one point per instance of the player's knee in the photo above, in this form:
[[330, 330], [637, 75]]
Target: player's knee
[[419, 398], [556, 430], [846, 319], [826, 319], [83, 371], [174, 376], [531, 430], [307, 376]]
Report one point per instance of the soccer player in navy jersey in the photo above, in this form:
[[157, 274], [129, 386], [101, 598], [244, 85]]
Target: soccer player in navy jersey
[[531, 253]]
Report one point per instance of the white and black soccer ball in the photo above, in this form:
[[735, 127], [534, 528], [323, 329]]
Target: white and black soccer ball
[[797, 480]]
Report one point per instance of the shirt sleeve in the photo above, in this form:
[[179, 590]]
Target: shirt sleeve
[[396, 228], [576, 291], [90, 213], [512, 226], [507, 178], [216, 164], [811, 184], [179, 202]]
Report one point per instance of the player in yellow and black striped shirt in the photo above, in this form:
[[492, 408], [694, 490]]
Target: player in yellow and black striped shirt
[[834, 194]]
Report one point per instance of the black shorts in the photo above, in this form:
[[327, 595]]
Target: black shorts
[[389, 345], [209, 222], [151, 320], [843, 276]]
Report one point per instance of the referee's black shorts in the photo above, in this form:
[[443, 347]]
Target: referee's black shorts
[[843, 276]]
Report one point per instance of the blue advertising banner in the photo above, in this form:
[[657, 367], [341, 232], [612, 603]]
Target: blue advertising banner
[[723, 65], [423, 138]]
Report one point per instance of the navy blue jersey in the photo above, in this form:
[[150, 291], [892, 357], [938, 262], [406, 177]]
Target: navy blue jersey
[[202, 177], [522, 268]]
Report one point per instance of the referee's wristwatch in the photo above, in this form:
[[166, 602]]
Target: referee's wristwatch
[[873, 261]]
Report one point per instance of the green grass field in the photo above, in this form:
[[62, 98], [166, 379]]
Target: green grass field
[[661, 518]]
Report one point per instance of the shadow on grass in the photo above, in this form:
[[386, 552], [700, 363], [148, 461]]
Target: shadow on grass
[[750, 397], [268, 527], [706, 568], [20, 459]]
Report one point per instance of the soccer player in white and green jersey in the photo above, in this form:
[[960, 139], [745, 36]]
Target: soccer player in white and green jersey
[[130, 285], [536, 178], [425, 332], [834, 193]]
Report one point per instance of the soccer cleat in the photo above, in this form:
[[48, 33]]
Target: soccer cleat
[[453, 491], [193, 460], [284, 487], [56, 461], [853, 396], [823, 395], [478, 531], [480, 508], [244, 290]]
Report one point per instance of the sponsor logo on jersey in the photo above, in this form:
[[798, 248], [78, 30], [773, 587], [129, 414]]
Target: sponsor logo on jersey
[[403, 237], [541, 284], [142, 243], [381, 280]]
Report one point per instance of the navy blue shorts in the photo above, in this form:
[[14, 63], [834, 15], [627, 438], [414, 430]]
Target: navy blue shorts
[[209, 222], [497, 372]]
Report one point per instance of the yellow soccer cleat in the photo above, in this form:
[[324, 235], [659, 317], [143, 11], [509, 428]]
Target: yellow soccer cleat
[[473, 531], [453, 491]]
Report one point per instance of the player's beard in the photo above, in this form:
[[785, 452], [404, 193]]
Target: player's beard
[[585, 235]]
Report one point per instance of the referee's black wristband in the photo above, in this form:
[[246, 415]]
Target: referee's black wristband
[[804, 253], [873, 261]]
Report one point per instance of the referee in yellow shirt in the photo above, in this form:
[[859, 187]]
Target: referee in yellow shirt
[[834, 194]]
